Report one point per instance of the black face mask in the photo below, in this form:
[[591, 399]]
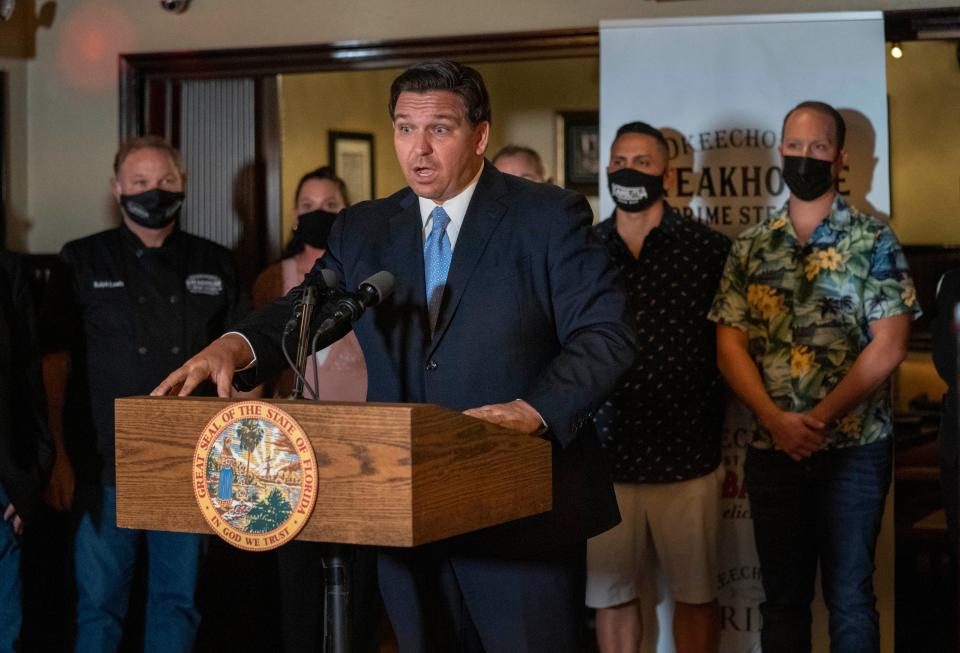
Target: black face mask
[[807, 178], [313, 227], [153, 209], [634, 191]]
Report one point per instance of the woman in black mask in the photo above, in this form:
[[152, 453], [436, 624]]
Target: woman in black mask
[[320, 196], [342, 376]]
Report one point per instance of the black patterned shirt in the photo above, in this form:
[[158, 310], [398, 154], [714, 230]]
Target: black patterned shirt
[[662, 423]]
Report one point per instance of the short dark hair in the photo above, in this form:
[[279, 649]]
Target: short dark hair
[[130, 146], [445, 75], [321, 173], [645, 129], [839, 123], [514, 150]]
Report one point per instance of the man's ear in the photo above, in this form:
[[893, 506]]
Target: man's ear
[[839, 163], [115, 188], [668, 176], [483, 134]]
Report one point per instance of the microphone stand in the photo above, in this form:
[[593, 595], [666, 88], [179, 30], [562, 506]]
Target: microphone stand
[[303, 344], [336, 571]]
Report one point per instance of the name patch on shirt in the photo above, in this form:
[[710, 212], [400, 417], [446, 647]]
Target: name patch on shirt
[[98, 284], [204, 284]]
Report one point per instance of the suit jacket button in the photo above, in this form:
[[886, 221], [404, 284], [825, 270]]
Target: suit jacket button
[[432, 365]]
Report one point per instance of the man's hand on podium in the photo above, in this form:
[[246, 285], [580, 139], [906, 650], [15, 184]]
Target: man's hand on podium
[[217, 362], [516, 415]]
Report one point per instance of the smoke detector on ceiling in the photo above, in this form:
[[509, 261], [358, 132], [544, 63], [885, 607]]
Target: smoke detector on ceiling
[[174, 6]]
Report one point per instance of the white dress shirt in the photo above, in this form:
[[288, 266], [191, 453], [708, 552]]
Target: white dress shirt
[[456, 208]]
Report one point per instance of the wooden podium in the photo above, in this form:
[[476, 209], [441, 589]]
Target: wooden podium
[[388, 474]]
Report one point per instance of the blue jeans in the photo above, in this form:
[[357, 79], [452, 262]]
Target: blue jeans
[[11, 590], [825, 509], [105, 561]]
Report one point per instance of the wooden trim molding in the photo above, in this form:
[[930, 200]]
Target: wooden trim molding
[[137, 70], [919, 24], [268, 166]]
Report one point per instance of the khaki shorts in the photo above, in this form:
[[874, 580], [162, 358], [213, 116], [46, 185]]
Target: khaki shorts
[[673, 524]]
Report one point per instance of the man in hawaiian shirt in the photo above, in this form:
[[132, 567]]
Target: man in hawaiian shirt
[[813, 315]]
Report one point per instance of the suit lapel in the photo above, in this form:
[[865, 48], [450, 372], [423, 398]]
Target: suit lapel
[[482, 217], [406, 255]]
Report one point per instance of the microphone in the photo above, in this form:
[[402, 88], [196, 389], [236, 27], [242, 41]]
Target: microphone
[[327, 281], [370, 292], [326, 284], [348, 308]]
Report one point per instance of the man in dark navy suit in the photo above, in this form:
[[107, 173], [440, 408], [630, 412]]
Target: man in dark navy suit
[[506, 308]]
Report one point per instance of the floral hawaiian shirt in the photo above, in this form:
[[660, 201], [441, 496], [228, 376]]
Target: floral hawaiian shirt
[[806, 310]]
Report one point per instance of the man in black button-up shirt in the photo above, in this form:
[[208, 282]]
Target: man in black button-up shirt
[[25, 445], [661, 427], [141, 298]]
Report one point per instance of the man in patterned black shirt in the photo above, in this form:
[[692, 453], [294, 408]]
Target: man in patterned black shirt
[[661, 426]]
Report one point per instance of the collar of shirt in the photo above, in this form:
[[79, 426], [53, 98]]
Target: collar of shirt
[[670, 225], [456, 208], [838, 219], [839, 216], [133, 241], [671, 222]]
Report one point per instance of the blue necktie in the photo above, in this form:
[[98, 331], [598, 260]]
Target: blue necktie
[[436, 262]]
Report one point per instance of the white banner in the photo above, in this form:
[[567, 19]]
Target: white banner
[[719, 88]]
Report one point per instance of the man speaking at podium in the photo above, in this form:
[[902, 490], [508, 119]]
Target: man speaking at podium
[[506, 308]]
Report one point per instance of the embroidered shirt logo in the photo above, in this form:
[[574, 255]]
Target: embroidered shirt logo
[[204, 284], [98, 284]]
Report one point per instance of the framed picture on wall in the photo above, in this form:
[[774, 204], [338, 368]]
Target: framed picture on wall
[[352, 158], [578, 151]]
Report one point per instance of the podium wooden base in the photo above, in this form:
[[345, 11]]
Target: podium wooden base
[[388, 474]]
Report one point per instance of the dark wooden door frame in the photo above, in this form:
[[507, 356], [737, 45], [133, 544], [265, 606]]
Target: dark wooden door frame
[[3, 159], [138, 71], [150, 85], [920, 24]]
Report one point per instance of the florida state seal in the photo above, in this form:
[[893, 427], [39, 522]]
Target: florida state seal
[[254, 476]]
